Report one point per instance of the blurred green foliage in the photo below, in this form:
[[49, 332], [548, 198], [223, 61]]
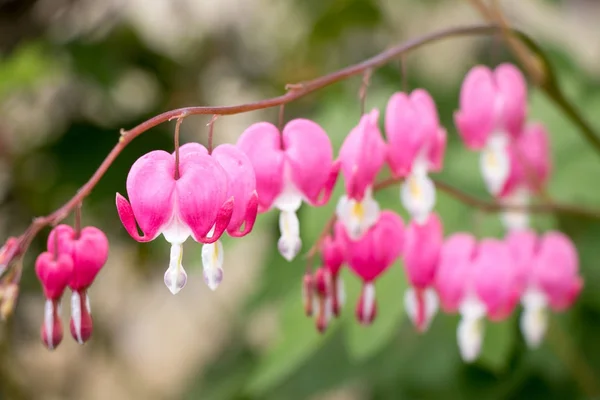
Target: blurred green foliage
[[388, 360]]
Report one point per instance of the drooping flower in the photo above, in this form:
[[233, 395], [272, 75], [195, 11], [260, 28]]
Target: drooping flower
[[54, 273], [422, 247], [454, 283], [549, 278], [194, 202], [292, 166], [493, 106], [324, 297], [333, 252], [530, 167], [417, 144], [362, 155], [371, 255], [88, 251], [242, 188]]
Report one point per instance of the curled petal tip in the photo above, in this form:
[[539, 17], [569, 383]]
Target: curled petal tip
[[252, 210]]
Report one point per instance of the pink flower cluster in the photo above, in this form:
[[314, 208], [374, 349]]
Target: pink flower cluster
[[203, 194], [73, 259]]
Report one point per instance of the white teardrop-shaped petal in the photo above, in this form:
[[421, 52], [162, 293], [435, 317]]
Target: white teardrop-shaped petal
[[212, 264], [358, 216], [49, 323], [470, 328], [368, 301], [289, 243], [76, 315], [430, 304], [341, 291], [417, 195], [495, 162], [175, 276], [470, 337], [514, 220], [534, 319]]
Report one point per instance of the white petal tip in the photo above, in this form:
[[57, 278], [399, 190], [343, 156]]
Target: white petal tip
[[213, 277], [175, 280], [289, 247]]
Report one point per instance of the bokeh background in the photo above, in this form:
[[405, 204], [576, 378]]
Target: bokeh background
[[73, 72]]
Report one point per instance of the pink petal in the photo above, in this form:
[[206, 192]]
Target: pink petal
[[54, 274], [242, 186], [378, 249], [405, 139], [362, 155], [512, 89], [555, 270], [455, 269], [422, 249], [534, 150], [333, 255], [523, 247], [89, 252], [309, 153], [262, 144], [475, 119], [150, 186], [496, 279], [201, 193]]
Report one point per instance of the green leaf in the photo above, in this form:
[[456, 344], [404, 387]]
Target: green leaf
[[499, 340], [363, 341]]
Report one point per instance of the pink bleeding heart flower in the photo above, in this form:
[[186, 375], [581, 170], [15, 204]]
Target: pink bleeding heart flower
[[454, 271], [416, 146], [454, 281], [88, 250], [54, 273], [193, 203], [549, 271], [422, 248], [371, 255], [242, 188], [491, 101], [414, 133], [530, 161], [493, 106], [497, 279], [290, 167], [362, 155], [322, 280], [332, 250], [555, 270]]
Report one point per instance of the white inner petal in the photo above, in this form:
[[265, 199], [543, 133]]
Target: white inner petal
[[49, 323], [290, 198], [289, 243], [430, 304], [368, 301], [534, 319], [341, 292], [514, 220], [470, 328], [212, 264], [495, 162], [175, 276], [417, 195], [76, 315], [358, 216], [176, 231]]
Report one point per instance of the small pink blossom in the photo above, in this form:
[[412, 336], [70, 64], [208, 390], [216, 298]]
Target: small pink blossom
[[491, 101], [292, 166], [422, 248], [371, 255]]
